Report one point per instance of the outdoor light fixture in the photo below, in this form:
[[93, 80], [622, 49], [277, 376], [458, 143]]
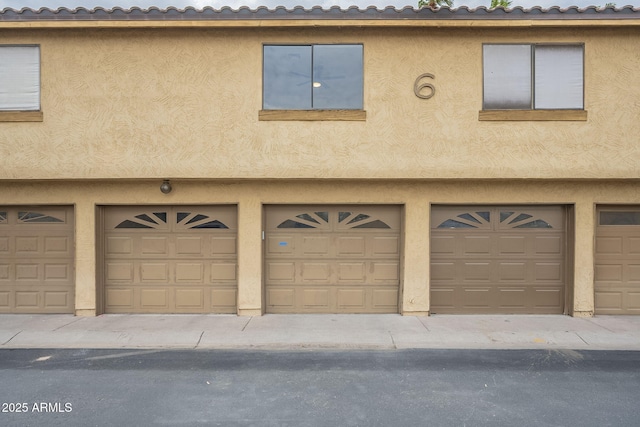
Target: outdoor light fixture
[[165, 187], [317, 84]]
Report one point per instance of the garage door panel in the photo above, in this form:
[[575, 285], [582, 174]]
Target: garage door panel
[[477, 271], [315, 298], [26, 246], [352, 271], [609, 245], [443, 272], [221, 246], [189, 246], [280, 245], [609, 272], [117, 245], [353, 299], [477, 297], [509, 245], [4, 272], [476, 245], [633, 301], [4, 246], [385, 298], [27, 272], [633, 245], [443, 245], [153, 246], [548, 271], [315, 245], [443, 299], [617, 260], [315, 272], [280, 297], [169, 259], [119, 298], [26, 300], [633, 274], [4, 301], [154, 298], [493, 259], [190, 272], [548, 298], [224, 300], [385, 272], [512, 297], [512, 271], [154, 272], [333, 258], [189, 299], [57, 272], [548, 245], [281, 271], [351, 246], [223, 272], [57, 245], [119, 271], [54, 299], [386, 246]]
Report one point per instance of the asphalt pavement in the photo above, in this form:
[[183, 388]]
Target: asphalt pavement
[[323, 331], [318, 388]]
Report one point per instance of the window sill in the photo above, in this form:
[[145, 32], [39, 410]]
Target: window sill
[[533, 115], [312, 115], [21, 116]]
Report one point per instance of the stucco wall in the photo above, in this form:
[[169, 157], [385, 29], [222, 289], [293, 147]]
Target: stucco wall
[[183, 103]]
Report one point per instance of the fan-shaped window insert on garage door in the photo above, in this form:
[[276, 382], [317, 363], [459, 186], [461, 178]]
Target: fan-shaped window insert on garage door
[[36, 259], [170, 259], [497, 259], [617, 260], [332, 259]]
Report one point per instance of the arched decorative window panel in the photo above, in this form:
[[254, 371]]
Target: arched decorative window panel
[[157, 220], [519, 219], [323, 220], [307, 220], [28, 216], [3, 218], [479, 220], [183, 220], [498, 217]]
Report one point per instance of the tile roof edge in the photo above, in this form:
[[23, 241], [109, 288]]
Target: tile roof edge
[[317, 12]]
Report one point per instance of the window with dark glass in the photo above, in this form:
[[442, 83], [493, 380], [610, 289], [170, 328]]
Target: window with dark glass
[[312, 77], [533, 77]]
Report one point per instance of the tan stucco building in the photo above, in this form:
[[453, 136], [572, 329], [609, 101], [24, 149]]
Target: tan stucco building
[[320, 161]]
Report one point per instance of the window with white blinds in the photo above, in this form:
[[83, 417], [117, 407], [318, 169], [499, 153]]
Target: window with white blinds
[[19, 78], [533, 77]]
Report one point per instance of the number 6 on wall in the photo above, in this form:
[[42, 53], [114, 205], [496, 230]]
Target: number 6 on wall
[[418, 88]]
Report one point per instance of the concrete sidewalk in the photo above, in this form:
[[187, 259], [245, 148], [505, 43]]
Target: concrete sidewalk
[[320, 331]]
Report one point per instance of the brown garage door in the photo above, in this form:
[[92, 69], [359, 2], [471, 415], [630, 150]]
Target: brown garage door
[[617, 274], [179, 259], [332, 259], [497, 259], [36, 260]]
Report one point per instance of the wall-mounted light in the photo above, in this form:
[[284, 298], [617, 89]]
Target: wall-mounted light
[[165, 187]]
